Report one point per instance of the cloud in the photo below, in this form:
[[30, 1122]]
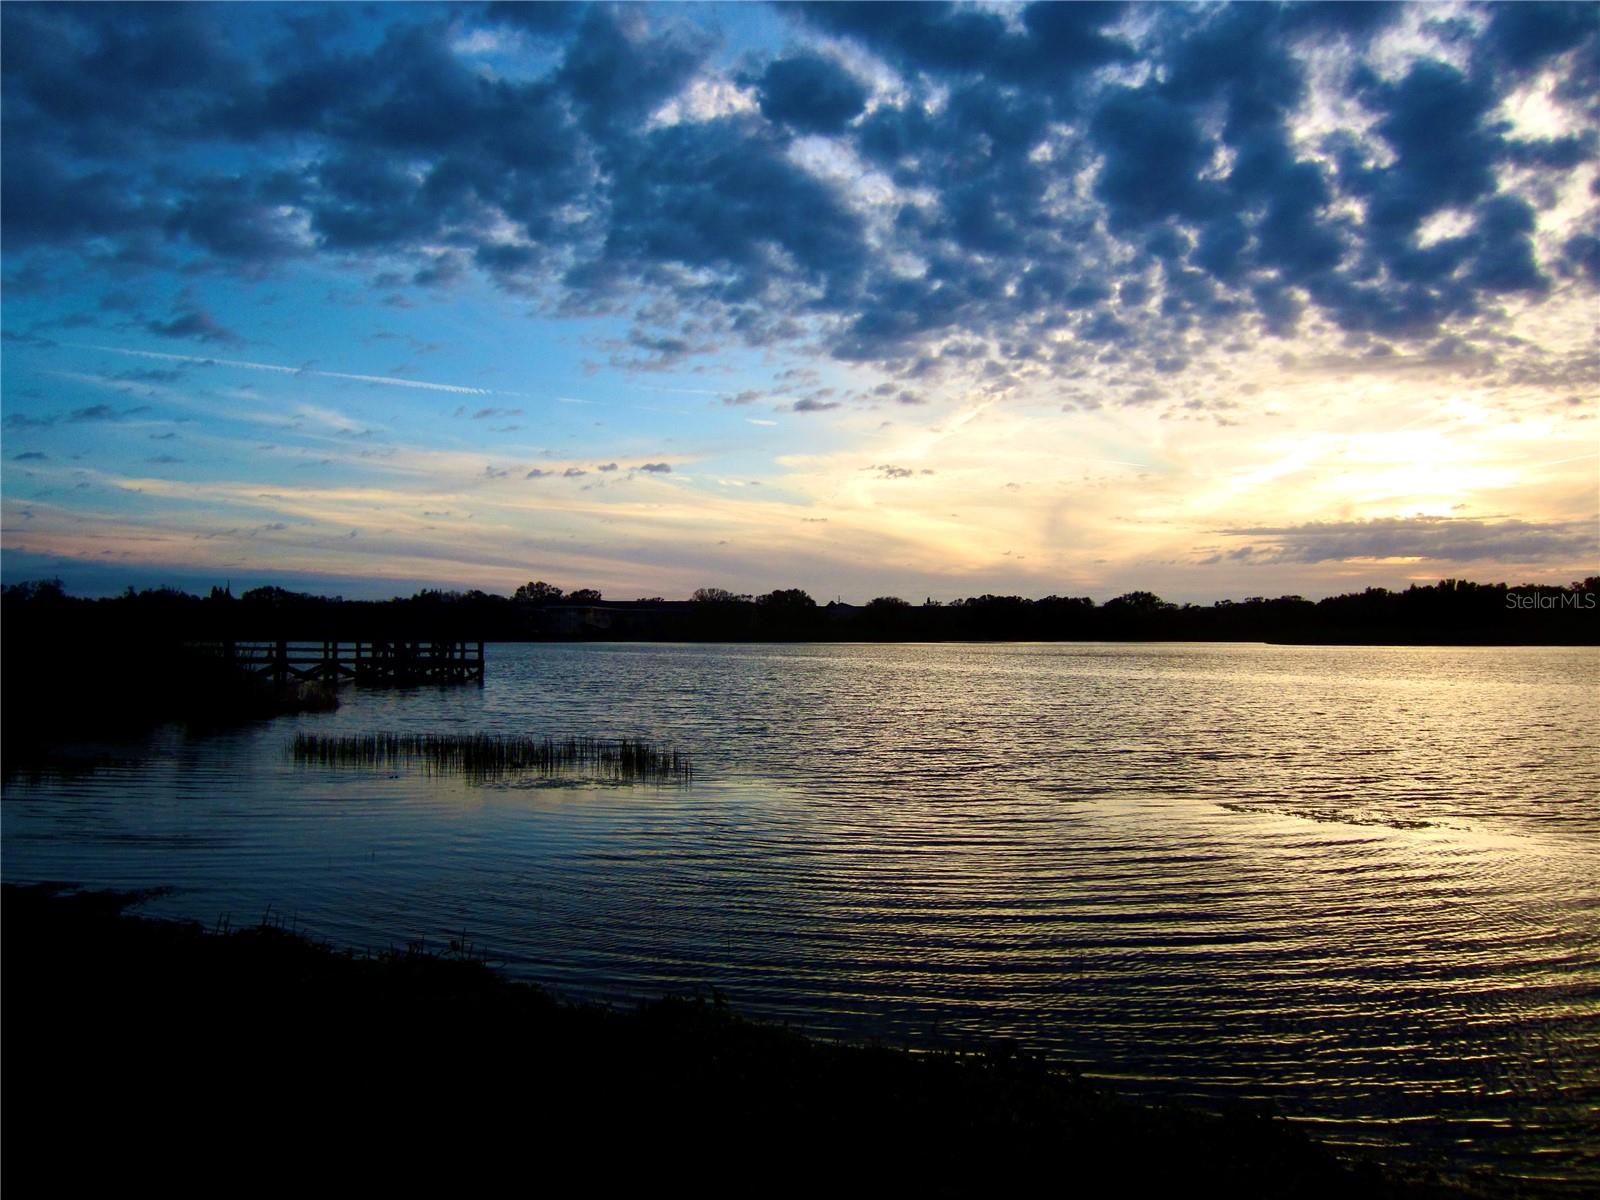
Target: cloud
[[811, 93], [26, 339], [655, 468], [29, 456], [618, 69], [1522, 37], [1071, 189], [238, 219], [24, 421], [537, 473], [811, 404], [195, 324], [1450, 539], [889, 471]]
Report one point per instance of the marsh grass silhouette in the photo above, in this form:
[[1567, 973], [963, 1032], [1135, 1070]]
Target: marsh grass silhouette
[[489, 757]]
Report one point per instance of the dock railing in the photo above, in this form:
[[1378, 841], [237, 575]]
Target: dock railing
[[366, 663]]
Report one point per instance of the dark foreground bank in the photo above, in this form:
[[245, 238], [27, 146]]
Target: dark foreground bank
[[159, 1052]]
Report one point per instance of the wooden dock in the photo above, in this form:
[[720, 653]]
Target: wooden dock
[[366, 664]]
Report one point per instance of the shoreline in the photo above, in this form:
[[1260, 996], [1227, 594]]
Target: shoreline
[[208, 1031]]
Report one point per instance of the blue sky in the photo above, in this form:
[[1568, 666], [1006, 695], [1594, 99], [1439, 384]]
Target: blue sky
[[905, 299]]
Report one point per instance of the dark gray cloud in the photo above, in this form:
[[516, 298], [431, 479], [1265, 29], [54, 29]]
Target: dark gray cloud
[[655, 468], [26, 421], [237, 219], [890, 471], [1051, 212], [811, 94], [26, 339], [1448, 539], [618, 69], [1521, 37], [197, 325], [546, 19], [1058, 43], [152, 375]]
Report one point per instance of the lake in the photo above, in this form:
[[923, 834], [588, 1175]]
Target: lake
[[1359, 884]]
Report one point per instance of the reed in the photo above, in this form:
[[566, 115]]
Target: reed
[[487, 757]]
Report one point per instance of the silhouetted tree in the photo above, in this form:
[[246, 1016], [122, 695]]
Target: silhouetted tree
[[787, 613], [721, 615], [787, 598], [273, 596], [1142, 602], [538, 592], [37, 591], [887, 616]]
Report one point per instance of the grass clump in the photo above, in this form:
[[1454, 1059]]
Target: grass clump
[[485, 757]]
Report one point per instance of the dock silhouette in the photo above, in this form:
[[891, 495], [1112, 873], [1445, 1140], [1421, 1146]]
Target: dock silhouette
[[393, 663]]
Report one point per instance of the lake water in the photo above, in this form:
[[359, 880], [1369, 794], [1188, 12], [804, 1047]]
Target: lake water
[[1361, 884]]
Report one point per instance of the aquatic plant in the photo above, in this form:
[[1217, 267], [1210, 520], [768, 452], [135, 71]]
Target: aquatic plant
[[484, 756]]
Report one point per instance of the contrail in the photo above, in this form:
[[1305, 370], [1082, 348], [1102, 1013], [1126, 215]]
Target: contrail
[[387, 380], [1560, 461], [650, 387]]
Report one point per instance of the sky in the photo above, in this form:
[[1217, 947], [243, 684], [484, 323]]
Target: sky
[[918, 300]]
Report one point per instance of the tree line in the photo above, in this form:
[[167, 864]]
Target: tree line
[[1450, 611]]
